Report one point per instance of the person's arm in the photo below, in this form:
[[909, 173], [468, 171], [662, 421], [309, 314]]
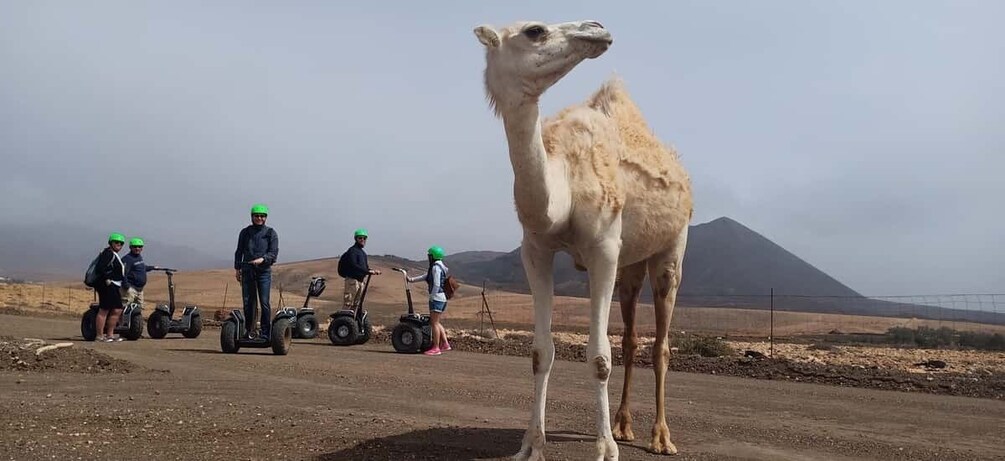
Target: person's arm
[[127, 264], [417, 278], [273, 252], [239, 252]]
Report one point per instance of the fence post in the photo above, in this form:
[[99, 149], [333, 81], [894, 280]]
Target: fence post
[[771, 338]]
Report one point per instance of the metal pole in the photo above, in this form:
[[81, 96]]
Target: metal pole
[[225, 288], [771, 338]]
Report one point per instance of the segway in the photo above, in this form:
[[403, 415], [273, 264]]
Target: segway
[[130, 325], [306, 324], [412, 334], [351, 326], [160, 322], [232, 337]]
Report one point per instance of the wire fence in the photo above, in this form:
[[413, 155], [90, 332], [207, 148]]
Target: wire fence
[[732, 315]]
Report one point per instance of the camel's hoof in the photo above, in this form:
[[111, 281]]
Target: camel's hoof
[[623, 429], [661, 441], [607, 450]]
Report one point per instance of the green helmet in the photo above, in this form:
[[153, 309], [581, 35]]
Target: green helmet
[[259, 208], [135, 242], [116, 237], [436, 252], [361, 232]]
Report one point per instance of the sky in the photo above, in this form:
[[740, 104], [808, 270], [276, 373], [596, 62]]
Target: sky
[[865, 137]]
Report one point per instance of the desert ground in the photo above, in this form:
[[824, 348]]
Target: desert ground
[[184, 399]]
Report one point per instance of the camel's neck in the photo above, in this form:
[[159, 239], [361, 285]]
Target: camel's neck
[[540, 187]]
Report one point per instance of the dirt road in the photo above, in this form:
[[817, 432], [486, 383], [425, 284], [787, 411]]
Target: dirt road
[[186, 400]]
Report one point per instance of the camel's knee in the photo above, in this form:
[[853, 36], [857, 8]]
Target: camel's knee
[[541, 360], [667, 280], [661, 354], [603, 367]]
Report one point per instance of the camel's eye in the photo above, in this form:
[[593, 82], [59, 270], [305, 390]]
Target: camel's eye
[[534, 32]]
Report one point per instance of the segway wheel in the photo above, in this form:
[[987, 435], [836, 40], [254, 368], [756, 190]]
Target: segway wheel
[[87, 328], [307, 326], [427, 338], [158, 325], [135, 330], [282, 337], [228, 337], [343, 331], [406, 339], [194, 328]]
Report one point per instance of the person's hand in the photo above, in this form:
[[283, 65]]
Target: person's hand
[[237, 274], [108, 282], [257, 261], [374, 272]]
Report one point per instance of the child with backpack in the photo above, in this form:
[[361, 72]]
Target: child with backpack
[[441, 287]]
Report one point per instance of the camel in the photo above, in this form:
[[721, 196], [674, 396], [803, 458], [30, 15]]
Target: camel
[[592, 181]]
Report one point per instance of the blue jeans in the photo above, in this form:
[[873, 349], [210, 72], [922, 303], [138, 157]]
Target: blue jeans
[[255, 288]]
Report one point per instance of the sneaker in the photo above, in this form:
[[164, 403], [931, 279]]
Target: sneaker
[[118, 339], [433, 351], [106, 339], [446, 347]]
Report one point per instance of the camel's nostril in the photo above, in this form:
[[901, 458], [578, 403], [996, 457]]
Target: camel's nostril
[[595, 24]]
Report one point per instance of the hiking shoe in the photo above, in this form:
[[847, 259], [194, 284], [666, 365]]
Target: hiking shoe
[[433, 351]]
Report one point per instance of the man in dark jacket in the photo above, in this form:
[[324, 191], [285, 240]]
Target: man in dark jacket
[[136, 273], [353, 266], [257, 249]]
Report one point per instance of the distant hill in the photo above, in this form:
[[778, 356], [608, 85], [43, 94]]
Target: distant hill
[[723, 257], [63, 250]]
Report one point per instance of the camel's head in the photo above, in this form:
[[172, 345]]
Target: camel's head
[[525, 59]]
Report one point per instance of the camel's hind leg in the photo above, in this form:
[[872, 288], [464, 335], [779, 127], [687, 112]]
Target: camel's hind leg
[[629, 287], [665, 276]]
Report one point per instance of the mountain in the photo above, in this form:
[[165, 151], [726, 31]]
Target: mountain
[[723, 258], [63, 250]]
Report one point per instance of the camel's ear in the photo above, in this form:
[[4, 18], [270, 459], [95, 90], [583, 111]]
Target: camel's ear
[[487, 35]]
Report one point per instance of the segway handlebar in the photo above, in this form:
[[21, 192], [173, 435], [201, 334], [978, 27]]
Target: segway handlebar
[[166, 269]]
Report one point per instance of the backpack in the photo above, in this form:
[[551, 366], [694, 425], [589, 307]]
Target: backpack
[[91, 274], [343, 261], [450, 286]]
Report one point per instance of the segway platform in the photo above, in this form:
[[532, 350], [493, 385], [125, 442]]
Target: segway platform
[[161, 321]]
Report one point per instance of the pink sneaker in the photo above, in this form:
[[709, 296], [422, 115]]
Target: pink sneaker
[[433, 351], [446, 347]]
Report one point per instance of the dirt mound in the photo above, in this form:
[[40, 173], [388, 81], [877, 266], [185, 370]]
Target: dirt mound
[[35, 355]]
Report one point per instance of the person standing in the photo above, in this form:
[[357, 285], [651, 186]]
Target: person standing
[[353, 266], [257, 250], [136, 273], [435, 278], [112, 273]]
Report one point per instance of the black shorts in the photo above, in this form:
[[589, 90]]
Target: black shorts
[[109, 297]]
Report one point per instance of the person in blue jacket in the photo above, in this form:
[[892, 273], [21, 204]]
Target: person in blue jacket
[[257, 250]]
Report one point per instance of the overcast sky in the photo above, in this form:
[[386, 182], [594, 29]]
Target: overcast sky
[[865, 137]]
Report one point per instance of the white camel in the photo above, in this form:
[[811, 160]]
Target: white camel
[[596, 183]]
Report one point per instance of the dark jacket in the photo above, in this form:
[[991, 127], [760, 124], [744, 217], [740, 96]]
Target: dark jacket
[[257, 242], [353, 263], [110, 267], [136, 271]]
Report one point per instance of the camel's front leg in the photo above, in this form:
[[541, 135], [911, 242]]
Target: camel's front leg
[[602, 262], [537, 263]]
